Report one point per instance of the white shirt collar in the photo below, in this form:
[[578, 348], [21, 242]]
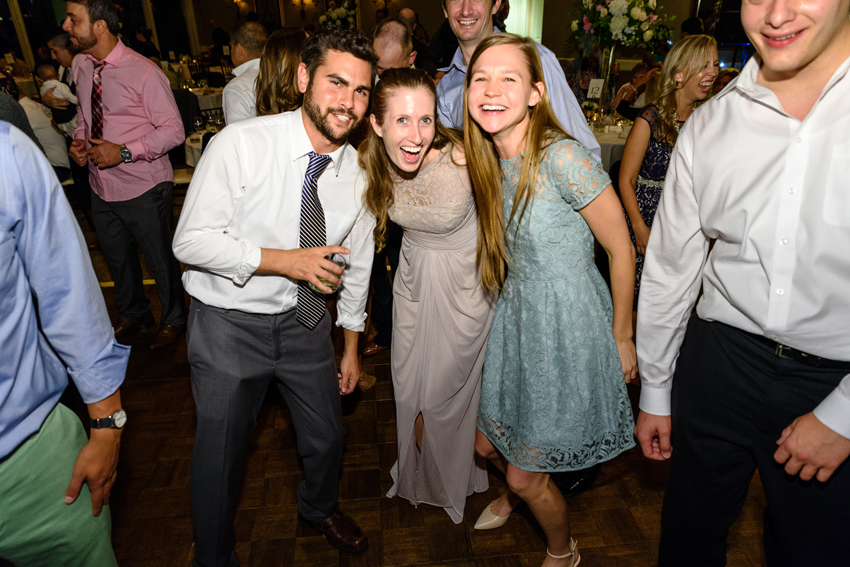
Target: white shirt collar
[[252, 65], [300, 144]]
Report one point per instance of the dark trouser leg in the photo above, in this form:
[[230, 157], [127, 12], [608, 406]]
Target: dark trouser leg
[[230, 355], [382, 299], [148, 218], [119, 248], [82, 189], [306, 372], [731, 399]]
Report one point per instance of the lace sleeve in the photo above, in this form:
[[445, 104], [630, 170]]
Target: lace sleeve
[[650, 115], [578, 176]]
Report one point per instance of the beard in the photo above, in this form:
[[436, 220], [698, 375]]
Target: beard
[[321, 118], [84, 43]]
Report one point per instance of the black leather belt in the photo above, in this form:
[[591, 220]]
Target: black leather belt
[[788, 353]]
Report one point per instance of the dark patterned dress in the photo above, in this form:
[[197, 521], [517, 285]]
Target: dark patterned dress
[[649, 184]]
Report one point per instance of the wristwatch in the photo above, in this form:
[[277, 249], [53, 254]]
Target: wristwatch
[[126, 154], [115, 421]]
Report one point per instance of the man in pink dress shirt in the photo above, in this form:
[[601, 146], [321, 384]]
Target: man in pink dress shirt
[[125, 145]]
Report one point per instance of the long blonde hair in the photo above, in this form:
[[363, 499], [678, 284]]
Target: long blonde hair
[[484, 169], [688, 58], [277, 89], [373, 158]]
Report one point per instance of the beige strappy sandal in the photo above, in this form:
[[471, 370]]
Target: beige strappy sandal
[[574, 554]]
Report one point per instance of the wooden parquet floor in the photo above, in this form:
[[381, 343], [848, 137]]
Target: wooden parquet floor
[[616, 523]]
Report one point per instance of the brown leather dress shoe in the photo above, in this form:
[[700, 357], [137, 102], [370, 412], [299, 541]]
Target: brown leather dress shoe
[[341, 532], [166, 336], [126, 327], [373, 348]]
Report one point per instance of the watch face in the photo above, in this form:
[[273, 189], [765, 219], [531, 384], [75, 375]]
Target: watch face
[[126, 155], [119, 418]]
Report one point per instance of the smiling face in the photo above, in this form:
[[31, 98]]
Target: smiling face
[[698, 86], [335, 99], [500, 94], [471, 20], [793, 34], [408, 128], [79, 27]]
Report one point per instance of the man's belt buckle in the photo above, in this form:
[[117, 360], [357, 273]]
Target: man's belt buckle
[[783, 351]]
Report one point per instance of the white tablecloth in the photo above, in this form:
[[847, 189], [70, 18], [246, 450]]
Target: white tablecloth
[[208, 101], [612, 148], [27, 87], [193, 150]]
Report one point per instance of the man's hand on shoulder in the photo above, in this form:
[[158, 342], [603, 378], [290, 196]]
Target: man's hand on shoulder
[[809, 448], [653, 434], [104, 153], [96, 465], [303, 264]]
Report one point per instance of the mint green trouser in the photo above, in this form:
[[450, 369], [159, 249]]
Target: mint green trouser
[[37, 528]]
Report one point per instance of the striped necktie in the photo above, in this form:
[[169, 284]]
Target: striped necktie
[[311, 305], [97, 102]]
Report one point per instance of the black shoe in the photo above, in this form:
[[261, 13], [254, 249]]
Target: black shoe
[[574, 483]]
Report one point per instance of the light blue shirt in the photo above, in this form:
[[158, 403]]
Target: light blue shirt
[[53, 321], [567, 110]]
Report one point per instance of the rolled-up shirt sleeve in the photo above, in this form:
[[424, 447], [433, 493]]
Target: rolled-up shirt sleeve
[[834, 410], [215, 195], [71, 312], [162, 112], [351, 307], [671, 279]]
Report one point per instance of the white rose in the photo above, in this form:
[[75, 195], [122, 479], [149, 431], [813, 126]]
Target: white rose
[[635, 13], [323, 19], [603, 12], [618, 23], [644, 26], [618, 7], [651, 4], [588, 3], [642, 15], [574, 25], [647, 35]]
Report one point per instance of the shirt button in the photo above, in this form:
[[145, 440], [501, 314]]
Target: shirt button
[[780, 291], [790, 190], [799, 140], [784, 241]]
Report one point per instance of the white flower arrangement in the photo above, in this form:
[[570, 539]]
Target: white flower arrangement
[[344, 16], [608, 22]]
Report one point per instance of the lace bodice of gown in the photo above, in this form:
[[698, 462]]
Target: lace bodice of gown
[[437, 201]]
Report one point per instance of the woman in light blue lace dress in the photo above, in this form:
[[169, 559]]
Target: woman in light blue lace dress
[[553, 395]]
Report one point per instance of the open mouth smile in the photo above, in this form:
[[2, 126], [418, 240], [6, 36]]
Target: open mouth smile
[[411, 153]]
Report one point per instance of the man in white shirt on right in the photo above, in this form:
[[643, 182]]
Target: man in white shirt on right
[[762, 371], [239, 98]]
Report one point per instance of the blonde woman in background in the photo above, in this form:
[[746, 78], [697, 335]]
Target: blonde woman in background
[[686, 79], [277, 91], [444, 293]]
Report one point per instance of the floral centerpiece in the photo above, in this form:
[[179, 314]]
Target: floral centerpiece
[[607, 23], [343, 16]]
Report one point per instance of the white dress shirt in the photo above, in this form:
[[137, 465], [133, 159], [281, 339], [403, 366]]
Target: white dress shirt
[[52, 141], [773, 192], [246, 195], [239, 97]]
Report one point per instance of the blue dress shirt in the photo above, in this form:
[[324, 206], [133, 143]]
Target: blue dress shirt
[[567, 110], [53, 321]]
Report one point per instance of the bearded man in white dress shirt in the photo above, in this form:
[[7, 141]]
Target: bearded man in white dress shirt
[[759, 379], [250, 234]]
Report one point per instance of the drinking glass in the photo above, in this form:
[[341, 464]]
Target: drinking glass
[[199, 125], [339, 260]]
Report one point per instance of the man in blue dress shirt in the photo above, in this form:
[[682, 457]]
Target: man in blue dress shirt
[[472, 23], [53, 323]]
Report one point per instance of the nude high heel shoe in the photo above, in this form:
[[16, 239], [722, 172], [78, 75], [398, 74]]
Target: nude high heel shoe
[[488, 520]]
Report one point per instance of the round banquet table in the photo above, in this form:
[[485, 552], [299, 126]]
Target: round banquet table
[[193, 150], [208, 100], [612, 148]]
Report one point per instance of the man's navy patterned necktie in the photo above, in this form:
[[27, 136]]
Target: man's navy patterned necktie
[[311, 305]]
